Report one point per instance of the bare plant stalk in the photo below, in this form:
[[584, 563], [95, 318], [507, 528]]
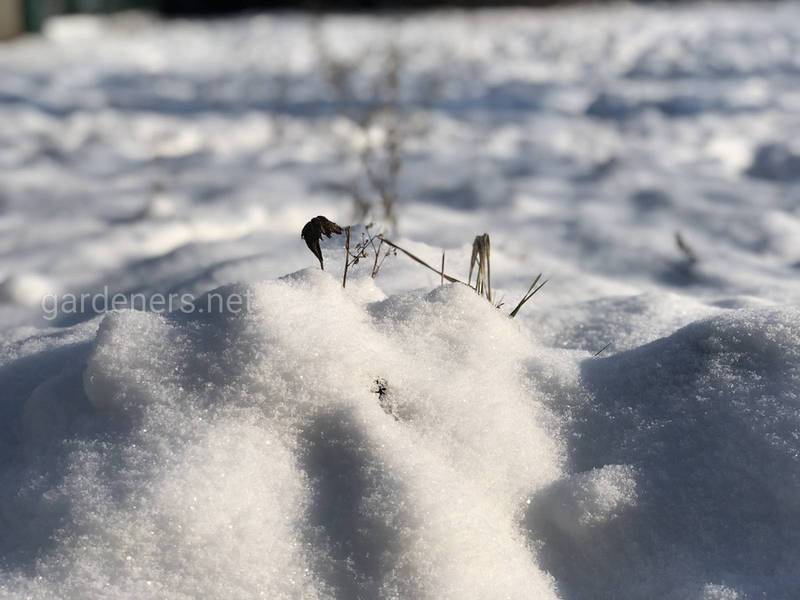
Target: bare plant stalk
[[385, 186], [376, 265], [361, 203], [346, 254], [423, 263], [442, 268]]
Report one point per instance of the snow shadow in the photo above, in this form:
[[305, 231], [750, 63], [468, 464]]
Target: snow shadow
[[362, 547], [707, 418], [44, 414], [19, 378]]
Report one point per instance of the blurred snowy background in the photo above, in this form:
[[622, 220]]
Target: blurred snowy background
[[645, 159], [182, 154]]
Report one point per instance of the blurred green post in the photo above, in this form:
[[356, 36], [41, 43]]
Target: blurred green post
[[36, 12]]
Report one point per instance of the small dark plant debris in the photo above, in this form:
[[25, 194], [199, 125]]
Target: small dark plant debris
[[314, 230], [603, 349], [381, 388], [688, 252]]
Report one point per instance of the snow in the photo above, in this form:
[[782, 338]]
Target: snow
[[633, 433], [25, 289]]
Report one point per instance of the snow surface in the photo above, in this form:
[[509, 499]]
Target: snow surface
[[399, 438]]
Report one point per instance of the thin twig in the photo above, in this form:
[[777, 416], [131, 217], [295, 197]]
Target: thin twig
[[383, 258], [376, 265], [442, 283], [346, 254]]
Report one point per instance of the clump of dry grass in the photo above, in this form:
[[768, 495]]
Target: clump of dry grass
[[480, 261], [481, 258]]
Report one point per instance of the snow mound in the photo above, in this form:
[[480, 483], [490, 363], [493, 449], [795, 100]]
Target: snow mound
[[708, 419], [238, 455], [588, 499], [330, 443], [622, 322]]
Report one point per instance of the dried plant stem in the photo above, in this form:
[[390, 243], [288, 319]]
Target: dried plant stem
[[346, 254], [423, 263], [442, 268], [376, 264]]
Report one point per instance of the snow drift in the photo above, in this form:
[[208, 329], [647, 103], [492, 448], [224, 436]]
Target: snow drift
[[252, 454], [399, 439]]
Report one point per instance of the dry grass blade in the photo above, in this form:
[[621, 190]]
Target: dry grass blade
[[481, 250], [529, 294], [603, 349]]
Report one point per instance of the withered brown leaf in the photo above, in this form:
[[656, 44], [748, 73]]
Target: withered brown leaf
[[314, 230]]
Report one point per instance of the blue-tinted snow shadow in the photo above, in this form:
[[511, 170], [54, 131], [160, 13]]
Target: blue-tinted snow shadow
[[44, 415], [265, 92], [363, 547], [709, 420]]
